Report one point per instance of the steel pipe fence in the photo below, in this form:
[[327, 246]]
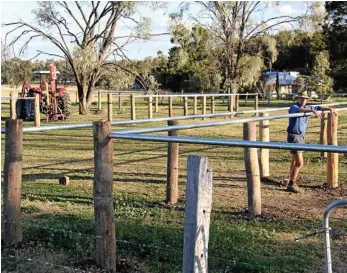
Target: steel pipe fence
[[139, 121]]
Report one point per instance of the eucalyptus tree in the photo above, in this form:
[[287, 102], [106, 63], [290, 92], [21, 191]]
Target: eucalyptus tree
[[233, 23], [87, 35]]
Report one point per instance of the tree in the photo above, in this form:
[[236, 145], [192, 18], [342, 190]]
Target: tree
[[232, 25], [16, 71], [90, 27], [321, 82], [335, 31]]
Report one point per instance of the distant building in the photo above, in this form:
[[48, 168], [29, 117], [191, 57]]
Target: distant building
[[286, 81]]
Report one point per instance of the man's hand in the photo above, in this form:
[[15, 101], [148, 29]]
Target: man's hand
[[318, 114], [333, 111]]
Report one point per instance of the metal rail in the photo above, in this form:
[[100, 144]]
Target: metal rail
[[327, 252], [233, 143], [127, 122], [213, 123]]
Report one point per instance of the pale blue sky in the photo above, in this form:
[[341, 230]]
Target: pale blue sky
[[14, 10]]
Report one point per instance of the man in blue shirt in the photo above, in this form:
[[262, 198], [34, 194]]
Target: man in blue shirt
[[296, 134]]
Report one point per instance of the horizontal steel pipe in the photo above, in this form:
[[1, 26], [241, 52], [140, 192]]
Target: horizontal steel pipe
[[233, 143], [213, 123]]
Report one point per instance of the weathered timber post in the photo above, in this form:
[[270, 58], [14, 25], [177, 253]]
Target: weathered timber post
[[119, 102], [185, 110], [197, 215], [99, 100], [172, 167], [204, 106], [105, 243], [13, 100], [13, 181], [264, 135], [170, 107], [256, 102], [252, 170], [37, 119], [156, 107], [133, 110], [150, 107], [195, 109], [212, 104], [109, 107], [333, 158], [323, 133], [246, 100]]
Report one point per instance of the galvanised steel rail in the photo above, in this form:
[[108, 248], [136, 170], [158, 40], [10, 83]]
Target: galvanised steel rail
[[232, 143], [139, 121], [6, 98], [326, 229], [214, 123]]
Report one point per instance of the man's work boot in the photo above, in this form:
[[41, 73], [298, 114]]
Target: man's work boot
[[293, 187]]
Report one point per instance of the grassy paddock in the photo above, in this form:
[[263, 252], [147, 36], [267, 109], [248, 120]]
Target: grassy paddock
[[58, 221]]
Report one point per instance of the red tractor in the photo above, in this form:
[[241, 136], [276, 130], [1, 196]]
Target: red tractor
[[54, 102]]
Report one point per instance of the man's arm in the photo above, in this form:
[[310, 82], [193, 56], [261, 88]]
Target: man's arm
[[326, 108], [316, 112]]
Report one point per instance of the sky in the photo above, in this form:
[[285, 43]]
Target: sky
[[14, 10]]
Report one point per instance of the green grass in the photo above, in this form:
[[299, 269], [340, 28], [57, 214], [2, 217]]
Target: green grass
[[58, 221]]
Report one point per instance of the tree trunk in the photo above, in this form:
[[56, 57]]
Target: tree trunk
[[83, 103]]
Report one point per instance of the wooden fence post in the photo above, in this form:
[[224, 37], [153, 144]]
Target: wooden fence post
[[13, 181], [252, 170], [156, 109], [150, 107], [99, 100], [256, 102], [212, 104], [133, 110], [109, 107], [172, 167], [13, 105], [105, 247], [195, 110], [203, 106], [170, 107], [185, 111], [37, 119], [333, 158], [119, 102], [264, 135], [246, 100], [323, 133], [197, 215]]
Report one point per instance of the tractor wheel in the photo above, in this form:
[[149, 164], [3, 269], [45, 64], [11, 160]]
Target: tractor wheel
[[64, 104], [20, 109], [29, 109]]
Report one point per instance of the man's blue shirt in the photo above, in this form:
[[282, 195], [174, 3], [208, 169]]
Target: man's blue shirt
[[298, 125]]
